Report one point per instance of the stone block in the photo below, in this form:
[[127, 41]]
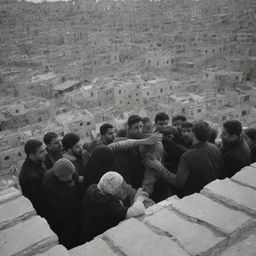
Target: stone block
[[14, 211], [245, 247], [247, 176], [194, 238], [93, 248], [221, 218], [9, 194], [163, 204], [58, 250], [237, 196], [134, 238], [27, 238]]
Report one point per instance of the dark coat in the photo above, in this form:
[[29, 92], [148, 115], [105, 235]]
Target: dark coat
[[51, 158], [198, 166], [64, 213], [173, 151], [102, 160], [30, 179], [100, 213], [236, 155], [131, 166]]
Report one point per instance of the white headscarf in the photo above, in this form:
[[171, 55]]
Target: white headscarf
[[110, 183]]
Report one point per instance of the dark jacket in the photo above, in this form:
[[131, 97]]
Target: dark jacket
[[173, 151], [51, 158], [131, 166], [236, 155], [63, 201], [30, 179], [198, 167], [100, 213]]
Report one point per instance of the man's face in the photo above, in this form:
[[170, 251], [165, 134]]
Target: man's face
[[77, 150], [40, 154], [186, 132], [110, 136], [177, 124], [55, 145], [226, 137], [161, 124], [136, 130]]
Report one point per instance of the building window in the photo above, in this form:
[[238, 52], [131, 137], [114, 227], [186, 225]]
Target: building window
[[17, 111], [170, 87], [147, 93], [161, 90], [224, 118], [88, 123], [7, 158], [246, 98], [244, 113], [81, 124], [91, 94], [120, 91], [199, 110], [129, 96]]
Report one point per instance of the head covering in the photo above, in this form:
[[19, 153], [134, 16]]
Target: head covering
[[110, 183], [102, 160], [63, 168]]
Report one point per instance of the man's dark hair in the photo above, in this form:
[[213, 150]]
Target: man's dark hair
[[31, 146], [233, 127], [187, 124], [161, 117], [104, 128], [202, 131], [69, 140], [49, 136], [133, 119], [179, 117], [145, 120]]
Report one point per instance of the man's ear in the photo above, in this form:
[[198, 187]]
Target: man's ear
[[32, 156]]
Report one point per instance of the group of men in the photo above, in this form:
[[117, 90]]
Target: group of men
[[82, 190]]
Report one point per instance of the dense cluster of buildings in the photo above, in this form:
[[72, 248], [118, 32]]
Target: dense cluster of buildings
[[71, 65]]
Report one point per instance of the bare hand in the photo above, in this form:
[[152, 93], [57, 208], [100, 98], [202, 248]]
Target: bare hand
[[140, 194], [153, 139]]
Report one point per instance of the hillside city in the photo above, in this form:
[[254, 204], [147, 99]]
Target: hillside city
[[71, 66]]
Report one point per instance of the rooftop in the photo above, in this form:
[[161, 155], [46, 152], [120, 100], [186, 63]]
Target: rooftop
[[66, 85]]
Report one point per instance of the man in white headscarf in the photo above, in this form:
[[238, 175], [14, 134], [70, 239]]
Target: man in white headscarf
[[103, 206]]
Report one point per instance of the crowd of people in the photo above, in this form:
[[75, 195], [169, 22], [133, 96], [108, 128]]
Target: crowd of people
[[84, 189]]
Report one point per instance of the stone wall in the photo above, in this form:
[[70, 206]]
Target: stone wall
[[220, 221]]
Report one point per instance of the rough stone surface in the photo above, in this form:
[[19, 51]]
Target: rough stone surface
[[135, 238], [195, 238], [245, 247], [15, 211], [157, 207], [224, 219], [57, 250], [233, 194], [247, 176], [8, 194], [93, 248], [33, 235]]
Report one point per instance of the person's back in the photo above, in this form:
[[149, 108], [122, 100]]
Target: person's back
[[235, 156], [63, 201], [101, 212], [235, 150], [204, 162]]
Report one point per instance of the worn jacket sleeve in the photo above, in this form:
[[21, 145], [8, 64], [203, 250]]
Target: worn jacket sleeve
[[177, 180], [122, 145]]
